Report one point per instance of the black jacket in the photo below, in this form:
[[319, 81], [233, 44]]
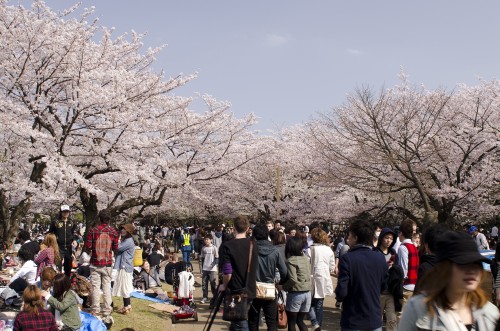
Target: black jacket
[[427, 261], [64, 231]]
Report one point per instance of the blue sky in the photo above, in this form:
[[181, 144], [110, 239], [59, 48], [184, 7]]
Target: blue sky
[[287, 60]]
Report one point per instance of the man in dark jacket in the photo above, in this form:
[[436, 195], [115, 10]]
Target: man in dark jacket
[[361, 279], [269, 261], [64, 229]]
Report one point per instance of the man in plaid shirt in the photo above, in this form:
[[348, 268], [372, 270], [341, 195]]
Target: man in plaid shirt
[[101, 242]]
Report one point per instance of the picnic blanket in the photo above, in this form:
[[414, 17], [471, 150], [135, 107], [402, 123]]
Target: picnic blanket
[[139, 295], [164, 307], [91, 323]]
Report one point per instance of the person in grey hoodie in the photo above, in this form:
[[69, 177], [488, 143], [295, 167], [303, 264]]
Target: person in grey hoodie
[[269, 260]]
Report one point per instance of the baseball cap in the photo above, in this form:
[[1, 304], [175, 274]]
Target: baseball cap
[[458, 247], [65, 208], [472, 229]]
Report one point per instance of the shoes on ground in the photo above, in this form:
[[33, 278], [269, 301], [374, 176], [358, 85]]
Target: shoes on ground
[[316, 327], [108, 321], [204, 300]]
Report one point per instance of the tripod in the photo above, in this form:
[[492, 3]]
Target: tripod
[[213, 312]]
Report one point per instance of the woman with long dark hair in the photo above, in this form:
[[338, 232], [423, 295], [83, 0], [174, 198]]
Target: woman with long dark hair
[[452, 298], [123, 263]]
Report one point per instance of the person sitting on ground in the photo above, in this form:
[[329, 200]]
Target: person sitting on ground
[[49, 254], [26, 275], [155, 257], [33, 316], [65, 301], [172, 268], [152, 282], [24, 238]]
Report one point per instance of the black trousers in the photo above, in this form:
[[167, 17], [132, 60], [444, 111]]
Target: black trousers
[[65, 254], [270, 309]]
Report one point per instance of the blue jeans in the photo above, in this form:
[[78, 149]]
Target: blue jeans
[[239, 326], [316, 311], [186, 256]]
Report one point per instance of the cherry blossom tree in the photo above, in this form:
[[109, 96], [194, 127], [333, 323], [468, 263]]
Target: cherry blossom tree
[[92, 124], [431, 155]]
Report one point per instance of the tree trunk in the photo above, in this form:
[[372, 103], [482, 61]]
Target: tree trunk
[[10, 218], [89, 203]]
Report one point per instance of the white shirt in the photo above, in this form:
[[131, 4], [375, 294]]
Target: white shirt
[[209, 254], [27, 272], [494, 231]]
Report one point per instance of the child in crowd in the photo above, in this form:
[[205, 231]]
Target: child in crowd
[[64, 303], [209, 261]]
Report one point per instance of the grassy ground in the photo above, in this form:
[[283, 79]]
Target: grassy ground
[[141, 317]]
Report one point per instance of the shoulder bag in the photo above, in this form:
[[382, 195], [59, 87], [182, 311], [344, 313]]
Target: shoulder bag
[[236, 305]]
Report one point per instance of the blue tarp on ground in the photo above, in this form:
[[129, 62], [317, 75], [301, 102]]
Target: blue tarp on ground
[[139, 295], [91, 323]]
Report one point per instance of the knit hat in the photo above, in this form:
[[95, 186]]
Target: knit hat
[[130, 228], [458, 247]]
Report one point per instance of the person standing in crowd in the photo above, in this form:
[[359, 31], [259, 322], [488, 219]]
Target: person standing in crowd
[[217, 241], [186, 244], [408, 258], [49, 255], [123, 264], [176, 235], [64, 230], [479, 238], [269, 260], [494, 234], [387, 301], [65, 301], [33, 316], [233, 263], [362, 275], [102, 241], [322, 267], [298, 284], [32, 246], [209, 259], [453, 297], [428, 257]]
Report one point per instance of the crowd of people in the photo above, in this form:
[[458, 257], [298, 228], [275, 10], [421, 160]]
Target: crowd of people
[[412, 281]]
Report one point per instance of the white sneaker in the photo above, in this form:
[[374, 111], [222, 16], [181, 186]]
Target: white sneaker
[[316, 327], [204, 300]]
